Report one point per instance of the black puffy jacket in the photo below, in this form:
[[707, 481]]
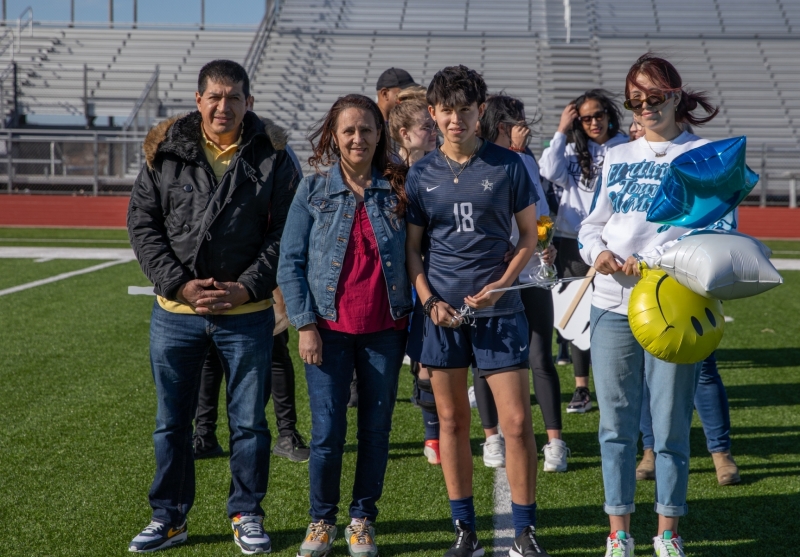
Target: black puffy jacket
[[185, 225]]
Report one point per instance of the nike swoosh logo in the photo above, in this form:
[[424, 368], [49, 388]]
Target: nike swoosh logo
[[174, 532], [431, 189], [523, 348]]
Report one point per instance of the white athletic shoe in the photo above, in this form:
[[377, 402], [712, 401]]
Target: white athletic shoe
[[619, 546], [668, 546], [494, 451], [473, 402], [555, 456]]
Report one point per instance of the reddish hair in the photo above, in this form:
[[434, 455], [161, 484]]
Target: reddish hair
[[666, 78], [326, 153]]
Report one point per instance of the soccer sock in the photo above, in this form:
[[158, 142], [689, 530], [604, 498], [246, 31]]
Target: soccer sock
[[523, 516], [430, 419], [463, 510]]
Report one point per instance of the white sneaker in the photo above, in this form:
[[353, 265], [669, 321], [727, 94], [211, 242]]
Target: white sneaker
[[473, 402], [494, 451], [619, 546], [668, 546], [555, 456]]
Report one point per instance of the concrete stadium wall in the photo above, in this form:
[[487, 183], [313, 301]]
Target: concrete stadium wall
[[110, 212]]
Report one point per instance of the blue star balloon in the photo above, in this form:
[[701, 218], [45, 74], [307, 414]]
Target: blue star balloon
[[703, 185]]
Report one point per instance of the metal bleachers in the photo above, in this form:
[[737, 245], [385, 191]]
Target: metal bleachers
[[61, 70]]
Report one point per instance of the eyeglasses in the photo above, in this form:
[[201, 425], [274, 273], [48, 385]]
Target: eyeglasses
[[428, 128], [599, 116], [653, 101]]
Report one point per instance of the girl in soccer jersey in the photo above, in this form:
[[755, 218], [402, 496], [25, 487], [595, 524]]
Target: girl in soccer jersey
[[462, 199], [614, 238]]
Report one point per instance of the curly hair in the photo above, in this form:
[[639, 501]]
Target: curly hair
[[579, 135], [325, 153]]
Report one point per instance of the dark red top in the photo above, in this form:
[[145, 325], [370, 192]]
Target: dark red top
[[362, 302]]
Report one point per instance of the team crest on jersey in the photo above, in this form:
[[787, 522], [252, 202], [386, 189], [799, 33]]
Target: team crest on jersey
[[487, 185]]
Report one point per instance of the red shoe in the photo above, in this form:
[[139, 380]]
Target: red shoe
[[431, 451]]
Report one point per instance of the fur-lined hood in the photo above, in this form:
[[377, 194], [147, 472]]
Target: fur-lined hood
[[181, 135]]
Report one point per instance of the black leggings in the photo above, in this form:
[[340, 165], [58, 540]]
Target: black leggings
[[569, 263], [282, 389], [538, 304]]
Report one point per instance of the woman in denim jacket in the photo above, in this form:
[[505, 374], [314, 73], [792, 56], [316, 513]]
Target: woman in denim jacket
[[342, 272]]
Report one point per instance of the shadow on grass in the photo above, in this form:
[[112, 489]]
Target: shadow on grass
[[737, 358], [754, 396]]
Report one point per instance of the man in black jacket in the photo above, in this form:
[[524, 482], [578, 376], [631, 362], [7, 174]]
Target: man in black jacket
[[205, 221]]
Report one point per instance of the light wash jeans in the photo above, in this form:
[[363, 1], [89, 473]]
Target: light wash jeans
[[711, 402], [621, 366]]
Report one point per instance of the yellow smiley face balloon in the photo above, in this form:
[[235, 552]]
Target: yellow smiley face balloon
[[672, 322]]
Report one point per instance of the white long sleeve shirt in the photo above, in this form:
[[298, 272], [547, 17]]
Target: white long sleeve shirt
[[617, 221], [559, 164], [541, 209]]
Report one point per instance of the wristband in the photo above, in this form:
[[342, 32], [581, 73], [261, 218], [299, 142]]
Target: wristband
[[429, 303]]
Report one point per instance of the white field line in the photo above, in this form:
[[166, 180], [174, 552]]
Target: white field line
[[786, 264], [90, 241], [503, 523], [62, 276], [67, 253]]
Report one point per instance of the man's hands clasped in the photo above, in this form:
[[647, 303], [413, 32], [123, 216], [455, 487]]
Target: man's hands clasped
[[211, 297]]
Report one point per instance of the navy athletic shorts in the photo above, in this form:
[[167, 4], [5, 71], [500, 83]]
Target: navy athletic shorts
[[491, 344]]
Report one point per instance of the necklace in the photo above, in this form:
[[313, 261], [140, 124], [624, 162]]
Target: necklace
[[464, 166], [661, 154]]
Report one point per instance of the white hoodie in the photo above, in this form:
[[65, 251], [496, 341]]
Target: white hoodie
[[617, 220], [559, 164], [541, 209]]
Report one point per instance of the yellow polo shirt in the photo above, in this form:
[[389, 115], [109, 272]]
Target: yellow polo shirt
[[220, 160]]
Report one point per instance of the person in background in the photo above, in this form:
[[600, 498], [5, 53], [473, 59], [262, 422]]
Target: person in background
[[210, 247], [635, 131], [389, 86], [414, 133], [290, 443], [616, 239], [711, 402], [593, 119], [342, 275], [412, 129], [503, 123]]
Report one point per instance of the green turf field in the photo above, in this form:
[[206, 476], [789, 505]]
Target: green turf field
[[78, 408]]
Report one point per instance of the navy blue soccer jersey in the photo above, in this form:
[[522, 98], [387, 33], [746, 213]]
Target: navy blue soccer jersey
[[468, 224]]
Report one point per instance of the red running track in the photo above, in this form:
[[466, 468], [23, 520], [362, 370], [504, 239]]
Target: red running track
[[110, 212]]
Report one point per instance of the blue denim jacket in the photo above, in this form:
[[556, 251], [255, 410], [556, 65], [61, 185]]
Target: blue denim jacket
[[315, 241]]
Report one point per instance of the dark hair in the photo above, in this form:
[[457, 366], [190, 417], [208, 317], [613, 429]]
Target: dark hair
[[501, 109], [456, 86], [223, 71], [579, 134], [326, 153], [666, 78]]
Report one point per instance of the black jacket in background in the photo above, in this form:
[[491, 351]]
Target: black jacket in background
[[184, 225]]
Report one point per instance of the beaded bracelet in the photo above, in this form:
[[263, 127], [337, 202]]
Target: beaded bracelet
[[429, 303]]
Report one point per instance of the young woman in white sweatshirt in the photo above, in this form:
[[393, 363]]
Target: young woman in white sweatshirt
[[614, 238], [594, 121]]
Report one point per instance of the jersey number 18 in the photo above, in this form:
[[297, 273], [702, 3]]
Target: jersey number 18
[[464, 221]]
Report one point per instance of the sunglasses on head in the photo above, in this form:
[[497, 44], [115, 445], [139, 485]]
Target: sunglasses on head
[[599, 116], [654, 100]]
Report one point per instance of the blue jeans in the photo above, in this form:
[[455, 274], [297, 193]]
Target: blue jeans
[[621, 367], [377, 358], [178, 347], [711, 402]]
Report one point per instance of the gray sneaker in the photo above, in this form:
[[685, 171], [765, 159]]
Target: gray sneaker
[[318, 541], [293, 447], [361, 539]]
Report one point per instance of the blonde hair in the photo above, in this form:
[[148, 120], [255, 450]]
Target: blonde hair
[[412, 93], [404, 115]]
